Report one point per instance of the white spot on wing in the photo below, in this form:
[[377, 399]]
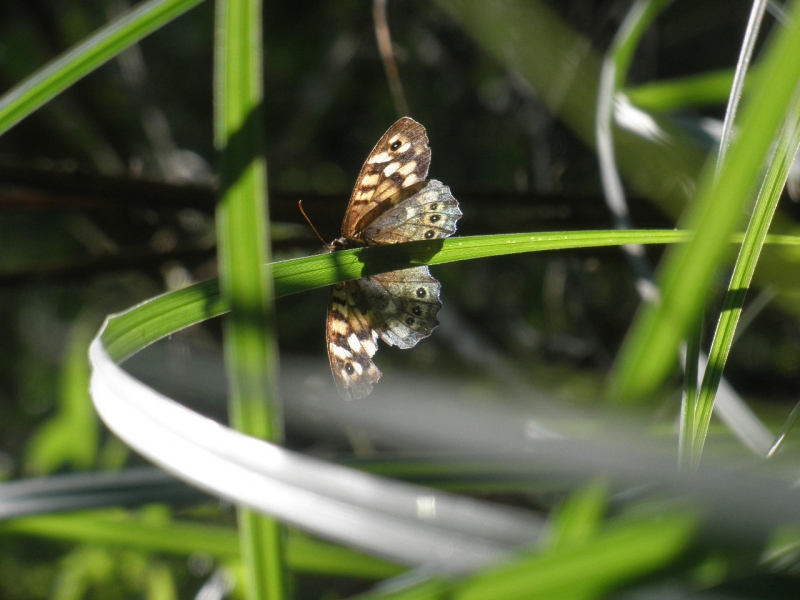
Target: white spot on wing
[[370, 180], [407, 168], [339, 326], [381, 157], [390, 169], [410, 180], [341, 353], [354, 343], [370, 346]]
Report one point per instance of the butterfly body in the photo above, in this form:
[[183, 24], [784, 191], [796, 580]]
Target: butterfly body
[[391, 203]]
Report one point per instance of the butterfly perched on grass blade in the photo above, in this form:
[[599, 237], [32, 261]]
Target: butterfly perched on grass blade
[[391, 203]]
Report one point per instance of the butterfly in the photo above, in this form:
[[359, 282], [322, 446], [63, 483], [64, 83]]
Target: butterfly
[[391, 203]]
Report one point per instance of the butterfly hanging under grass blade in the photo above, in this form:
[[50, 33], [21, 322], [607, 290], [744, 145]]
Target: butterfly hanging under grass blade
[[391, 203]]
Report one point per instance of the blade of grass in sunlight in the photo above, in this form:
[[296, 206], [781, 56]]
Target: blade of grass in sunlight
[[650, 350], [243, 242], [617, 553], [689, 406], [130, 331], [757, 10], [766, 204], [82, 59]]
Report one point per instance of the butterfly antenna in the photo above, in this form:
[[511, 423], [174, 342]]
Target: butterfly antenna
[[310, 224]]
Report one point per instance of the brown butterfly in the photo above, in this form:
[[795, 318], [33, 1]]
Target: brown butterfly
[[391, 203]]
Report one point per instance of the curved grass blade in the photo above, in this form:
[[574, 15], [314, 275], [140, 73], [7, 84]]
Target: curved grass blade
[[132, 330], [456, 534], [742, 65], [612, 76]]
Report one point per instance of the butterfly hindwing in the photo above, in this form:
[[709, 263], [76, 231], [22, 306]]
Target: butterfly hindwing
[[429, 214], [399, 160], [402, 305]]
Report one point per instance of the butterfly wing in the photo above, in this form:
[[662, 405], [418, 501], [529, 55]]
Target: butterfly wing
[[399, 161], [429, 214], [399, 307], [391, 203], [402, 305], [352, 341]]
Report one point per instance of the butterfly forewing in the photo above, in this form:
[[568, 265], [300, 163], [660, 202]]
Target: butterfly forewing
[[352, 341], [399, 160]]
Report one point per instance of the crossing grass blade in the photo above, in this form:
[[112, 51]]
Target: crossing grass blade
[[251, 353], [754, 237], [79, 61], [120, 529], [650, 350]]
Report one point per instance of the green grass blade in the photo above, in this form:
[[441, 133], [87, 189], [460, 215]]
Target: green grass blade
[[132, 330], [243, 242], [579, 518], [766, 204], [72, 436], [117, 528], [82, 59], [128, 332], [742, 65], [613, 73], [616, 553], [619, 553], [706, 89], [650, 349], [637, 22], [689, 399]]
